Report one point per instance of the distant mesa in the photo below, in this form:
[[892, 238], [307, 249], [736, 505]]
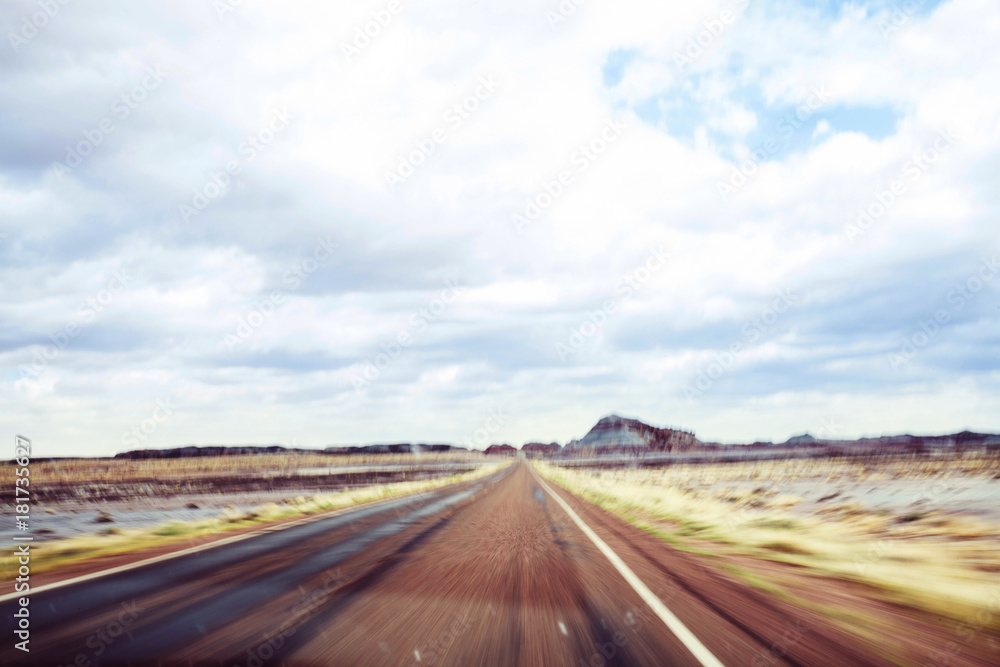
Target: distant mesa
[[540, 449], [402, 448], [192, 451], [619, 435], [501, 450]]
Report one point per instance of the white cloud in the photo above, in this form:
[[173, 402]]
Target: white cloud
[[451, 220]]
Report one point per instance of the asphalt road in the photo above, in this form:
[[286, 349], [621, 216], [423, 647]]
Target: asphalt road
[[506, 570]]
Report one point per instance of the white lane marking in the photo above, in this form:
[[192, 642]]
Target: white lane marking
[[562, 627], [204, 547], [693, 644]]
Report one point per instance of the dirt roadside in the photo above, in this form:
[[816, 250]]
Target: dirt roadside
[[811, 618]]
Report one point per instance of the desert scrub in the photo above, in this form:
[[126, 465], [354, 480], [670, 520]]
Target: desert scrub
[[47, 556], [944, 563], [117, 471]]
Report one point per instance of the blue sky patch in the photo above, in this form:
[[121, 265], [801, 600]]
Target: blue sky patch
[[614, 66]]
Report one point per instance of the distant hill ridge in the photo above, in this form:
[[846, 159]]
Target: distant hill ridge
[[613, 435], [541, 449], [964, 438], [190, 451]]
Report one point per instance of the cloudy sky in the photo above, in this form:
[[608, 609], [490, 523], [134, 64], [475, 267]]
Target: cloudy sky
[[313, 223]]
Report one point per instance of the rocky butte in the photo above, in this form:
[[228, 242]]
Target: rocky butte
[[501, 450], [619, 435]]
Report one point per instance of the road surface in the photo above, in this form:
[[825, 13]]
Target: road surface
[[491, 572]]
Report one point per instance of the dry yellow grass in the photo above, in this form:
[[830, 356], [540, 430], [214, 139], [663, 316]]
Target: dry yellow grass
[[947, 564], [47, 556], [121, 470]]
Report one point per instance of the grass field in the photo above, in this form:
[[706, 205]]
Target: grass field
[[110, 470], [51, 555], [940, 561]]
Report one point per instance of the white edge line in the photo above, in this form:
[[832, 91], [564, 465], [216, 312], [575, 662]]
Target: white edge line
[[693, 644], [201, 547]]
